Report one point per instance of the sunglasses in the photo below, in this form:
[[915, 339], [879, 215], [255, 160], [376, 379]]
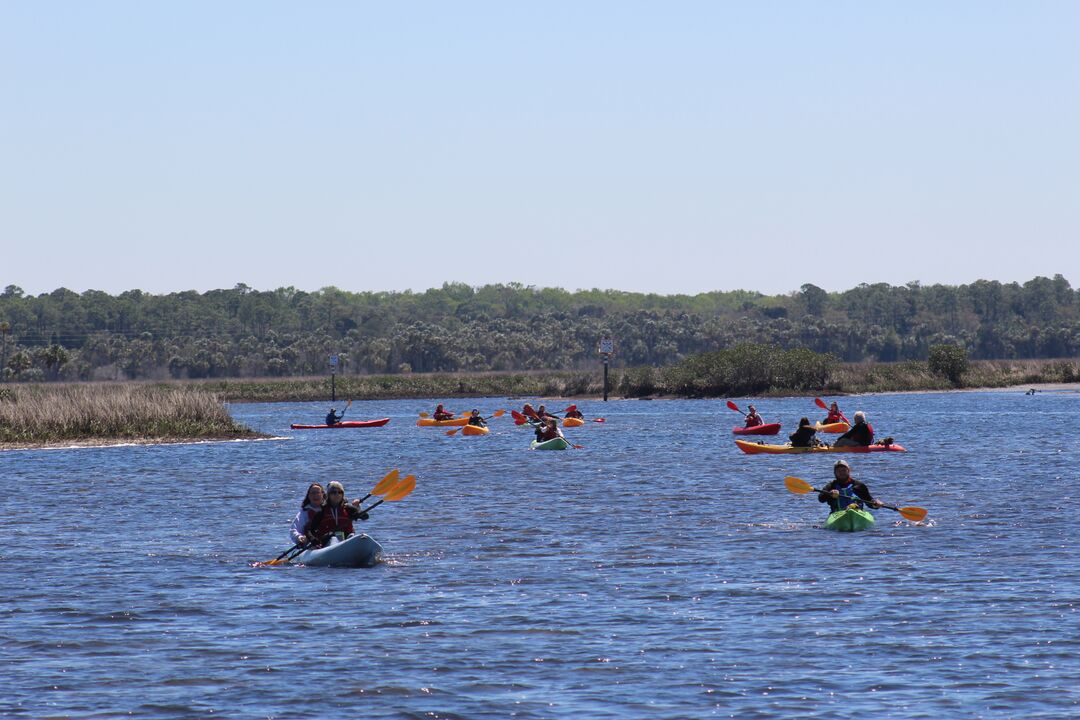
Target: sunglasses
[[336, 492]]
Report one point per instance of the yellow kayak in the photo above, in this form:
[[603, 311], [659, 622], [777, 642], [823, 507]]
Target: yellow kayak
[[475, 430], [456, 422], [753, 448], [837, 427], [573, 422]]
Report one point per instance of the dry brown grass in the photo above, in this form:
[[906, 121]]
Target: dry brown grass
[[51, 413]]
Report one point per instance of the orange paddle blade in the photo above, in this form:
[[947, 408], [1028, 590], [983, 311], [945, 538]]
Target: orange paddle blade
[[403, 488], [914, 514], [451, 433], [498, 413], [797, 485], [387, 482]]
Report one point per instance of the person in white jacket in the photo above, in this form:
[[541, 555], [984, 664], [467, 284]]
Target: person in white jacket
[[313, 502]]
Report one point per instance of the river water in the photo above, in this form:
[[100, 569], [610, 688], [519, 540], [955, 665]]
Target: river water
[[655, 573]]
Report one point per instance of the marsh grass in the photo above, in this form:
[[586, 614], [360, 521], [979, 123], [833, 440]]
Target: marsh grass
[[46, 413]]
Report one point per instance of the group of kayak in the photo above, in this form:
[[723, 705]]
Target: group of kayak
[[544, 423], [857, 435]]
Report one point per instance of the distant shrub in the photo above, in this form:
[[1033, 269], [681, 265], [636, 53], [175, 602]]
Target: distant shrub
[[948, 361]]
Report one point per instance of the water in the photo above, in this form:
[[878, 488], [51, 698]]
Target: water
[[658, 572]]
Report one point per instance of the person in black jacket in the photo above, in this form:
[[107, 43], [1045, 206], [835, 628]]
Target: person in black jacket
[[861, 433], [845, 490], [804, 435]]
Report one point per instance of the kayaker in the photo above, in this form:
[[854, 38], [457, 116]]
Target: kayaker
[[752, 418], [804, 435], [475, 419], [834, 415], [860, 434], [542, 413], [441, 413], [333, 418], [845, 490], [313, 502], [335, 518], [573, 412], [548, 430]]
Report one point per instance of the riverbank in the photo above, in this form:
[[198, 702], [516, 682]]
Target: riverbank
[[844, 379], [63, 415]]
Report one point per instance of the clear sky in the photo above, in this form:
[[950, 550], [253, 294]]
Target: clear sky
[[647, 146]]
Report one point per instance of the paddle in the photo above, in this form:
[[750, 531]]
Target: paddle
[[801, 487], [381, 487], [399, 492], [735, 407], [497, 413]]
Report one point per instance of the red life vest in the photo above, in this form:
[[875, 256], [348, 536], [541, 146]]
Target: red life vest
[[328, 525]]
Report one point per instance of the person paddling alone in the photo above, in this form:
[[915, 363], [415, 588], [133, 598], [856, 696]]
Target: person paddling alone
[[752, 418], [861, 433], [844, 490], [573, 412], [333, 418], [441, 413], [834, 415], [476, 420]]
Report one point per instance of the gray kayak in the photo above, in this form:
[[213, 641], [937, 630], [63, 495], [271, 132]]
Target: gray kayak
[[357, 551]]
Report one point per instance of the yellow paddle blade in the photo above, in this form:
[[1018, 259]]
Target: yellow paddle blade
[[387, 482], [451, 433], [402, 489], [498, 413], [797, 485], [914, 514], [424, 414]]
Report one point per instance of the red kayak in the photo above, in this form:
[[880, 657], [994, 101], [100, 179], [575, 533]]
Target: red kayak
[[770, 429], [344, 424]]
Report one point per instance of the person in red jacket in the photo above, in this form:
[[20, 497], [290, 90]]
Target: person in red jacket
[[442, 414], [752, 418], [834, 416], [334, 521], [548, 430]]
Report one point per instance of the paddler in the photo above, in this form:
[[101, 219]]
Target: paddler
[[834, 416], [548, 430], [441, 413], [573, 412], [476, 420], [860, 434], [312, 504], [333, 418], [845, 490], [334, 520], [752, 418], [804, 435]]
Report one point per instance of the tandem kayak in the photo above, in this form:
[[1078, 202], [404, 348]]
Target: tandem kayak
[[475, 430], [343, 424], [358, 551], [836, 427], [456, 422], [849, 520], [769, 429], [553, 444], [753, 448], [573, 422]]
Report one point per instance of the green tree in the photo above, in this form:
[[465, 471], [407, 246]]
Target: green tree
[[948, 361]]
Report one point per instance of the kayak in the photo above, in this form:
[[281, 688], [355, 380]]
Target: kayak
[[475, 430], [358, 551], [553, 444], [836, 427], [849, 520], [456, 422], [573, 422], [770, 429], [753, 448], [343, 424]]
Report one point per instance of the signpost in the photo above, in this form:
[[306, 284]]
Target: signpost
[[333, 372], [5, 328], [607, 349]]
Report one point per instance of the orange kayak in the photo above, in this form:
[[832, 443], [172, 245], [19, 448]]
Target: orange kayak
[[475, 430], [456, 422], [573, 422]]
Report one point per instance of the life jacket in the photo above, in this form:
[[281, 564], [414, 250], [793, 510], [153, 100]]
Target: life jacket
[[834, 418], [327, 523], [754, 421], [477, 421], [547, 433], [847, 496]]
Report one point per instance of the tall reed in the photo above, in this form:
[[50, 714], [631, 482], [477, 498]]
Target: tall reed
[[49, 413]]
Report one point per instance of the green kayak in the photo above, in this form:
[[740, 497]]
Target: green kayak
[[850, 520], [552, 444]]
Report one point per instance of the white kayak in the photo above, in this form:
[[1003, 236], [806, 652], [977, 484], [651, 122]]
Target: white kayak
[[358, 551]]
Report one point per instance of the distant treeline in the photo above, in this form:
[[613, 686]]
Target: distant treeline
[[286, 332]]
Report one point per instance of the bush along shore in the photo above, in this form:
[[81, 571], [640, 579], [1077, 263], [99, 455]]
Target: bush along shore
[[52, 414], [739, 371]]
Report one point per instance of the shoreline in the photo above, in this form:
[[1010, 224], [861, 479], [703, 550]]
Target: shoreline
[[86, 443]]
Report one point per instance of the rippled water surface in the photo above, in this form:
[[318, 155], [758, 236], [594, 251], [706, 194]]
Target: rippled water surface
[[655, 573]]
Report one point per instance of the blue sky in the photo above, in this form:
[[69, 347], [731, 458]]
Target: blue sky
[[662, 147]]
